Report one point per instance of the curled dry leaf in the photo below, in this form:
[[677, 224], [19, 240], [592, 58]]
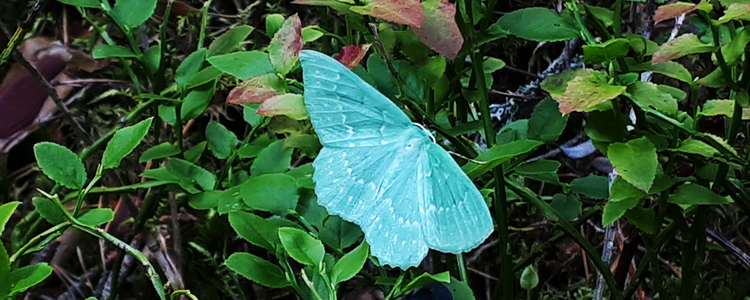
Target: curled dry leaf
[[255, 89], [352, 55]]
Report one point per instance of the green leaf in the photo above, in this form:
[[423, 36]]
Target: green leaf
[[196, 102], [275, 193], [696, 147], [568, 206], [546, 122], [339, 233], [622, 190], [28, 276], [132, 13], [230, 40], [538, 24], [97, 216], [254, 148], [312, 33], [644, 219], [303, 175], [151, 58], [682, 45], [193, 154], [604, 126], [250, 115], [459, 290], [541, 169], [309, 144], [604, 15], [301, 246], [159, 151], [735, 11], [691, 193], [499, 154], [204, 76], [168, 113], [243, 65], [104, 51], [672, 69], [123, 142], [60, 164], [5, 285], [599, 53], [273, 159], [650, 95], [529, 278], [426, 278], [718, 107], [593, 186], [190, 67], [290, 105], [734, 50], [585, 91], [273, 24], [6, 211], [636, 161], [615, 210], [190, 177], [221, 141], [257, 269], [350, 264], [715, 79], [641, 45], [256, 230], [48, 210], [83, 3], [208, 199]]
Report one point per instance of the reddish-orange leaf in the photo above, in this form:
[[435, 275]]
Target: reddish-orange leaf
[[407, 12], [351, 55], [439, 30], [253, 90], [290, 105], [283, 51], [677, 9]]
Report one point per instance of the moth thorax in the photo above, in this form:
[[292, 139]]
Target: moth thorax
[[415, 137]]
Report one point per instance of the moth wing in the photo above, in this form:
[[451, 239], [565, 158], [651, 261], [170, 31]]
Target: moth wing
[[455, 217], [373, 187], [344, 109]]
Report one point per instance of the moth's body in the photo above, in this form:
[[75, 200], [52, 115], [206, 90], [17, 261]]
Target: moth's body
[[384, 173]]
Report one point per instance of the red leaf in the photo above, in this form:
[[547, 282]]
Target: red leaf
[[290, 105], [351, 55], [283, 51], [407, 12], [253, 90], [439, 30]]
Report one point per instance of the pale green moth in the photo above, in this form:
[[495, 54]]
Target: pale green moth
[[384, 173]]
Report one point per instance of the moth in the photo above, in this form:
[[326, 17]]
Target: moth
[[382, 172]]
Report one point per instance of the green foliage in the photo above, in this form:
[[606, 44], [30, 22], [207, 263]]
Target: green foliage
[[60, 164], [436, 60]]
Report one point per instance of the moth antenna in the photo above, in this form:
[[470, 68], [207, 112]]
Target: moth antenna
[[466, 158], [432, 137]]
